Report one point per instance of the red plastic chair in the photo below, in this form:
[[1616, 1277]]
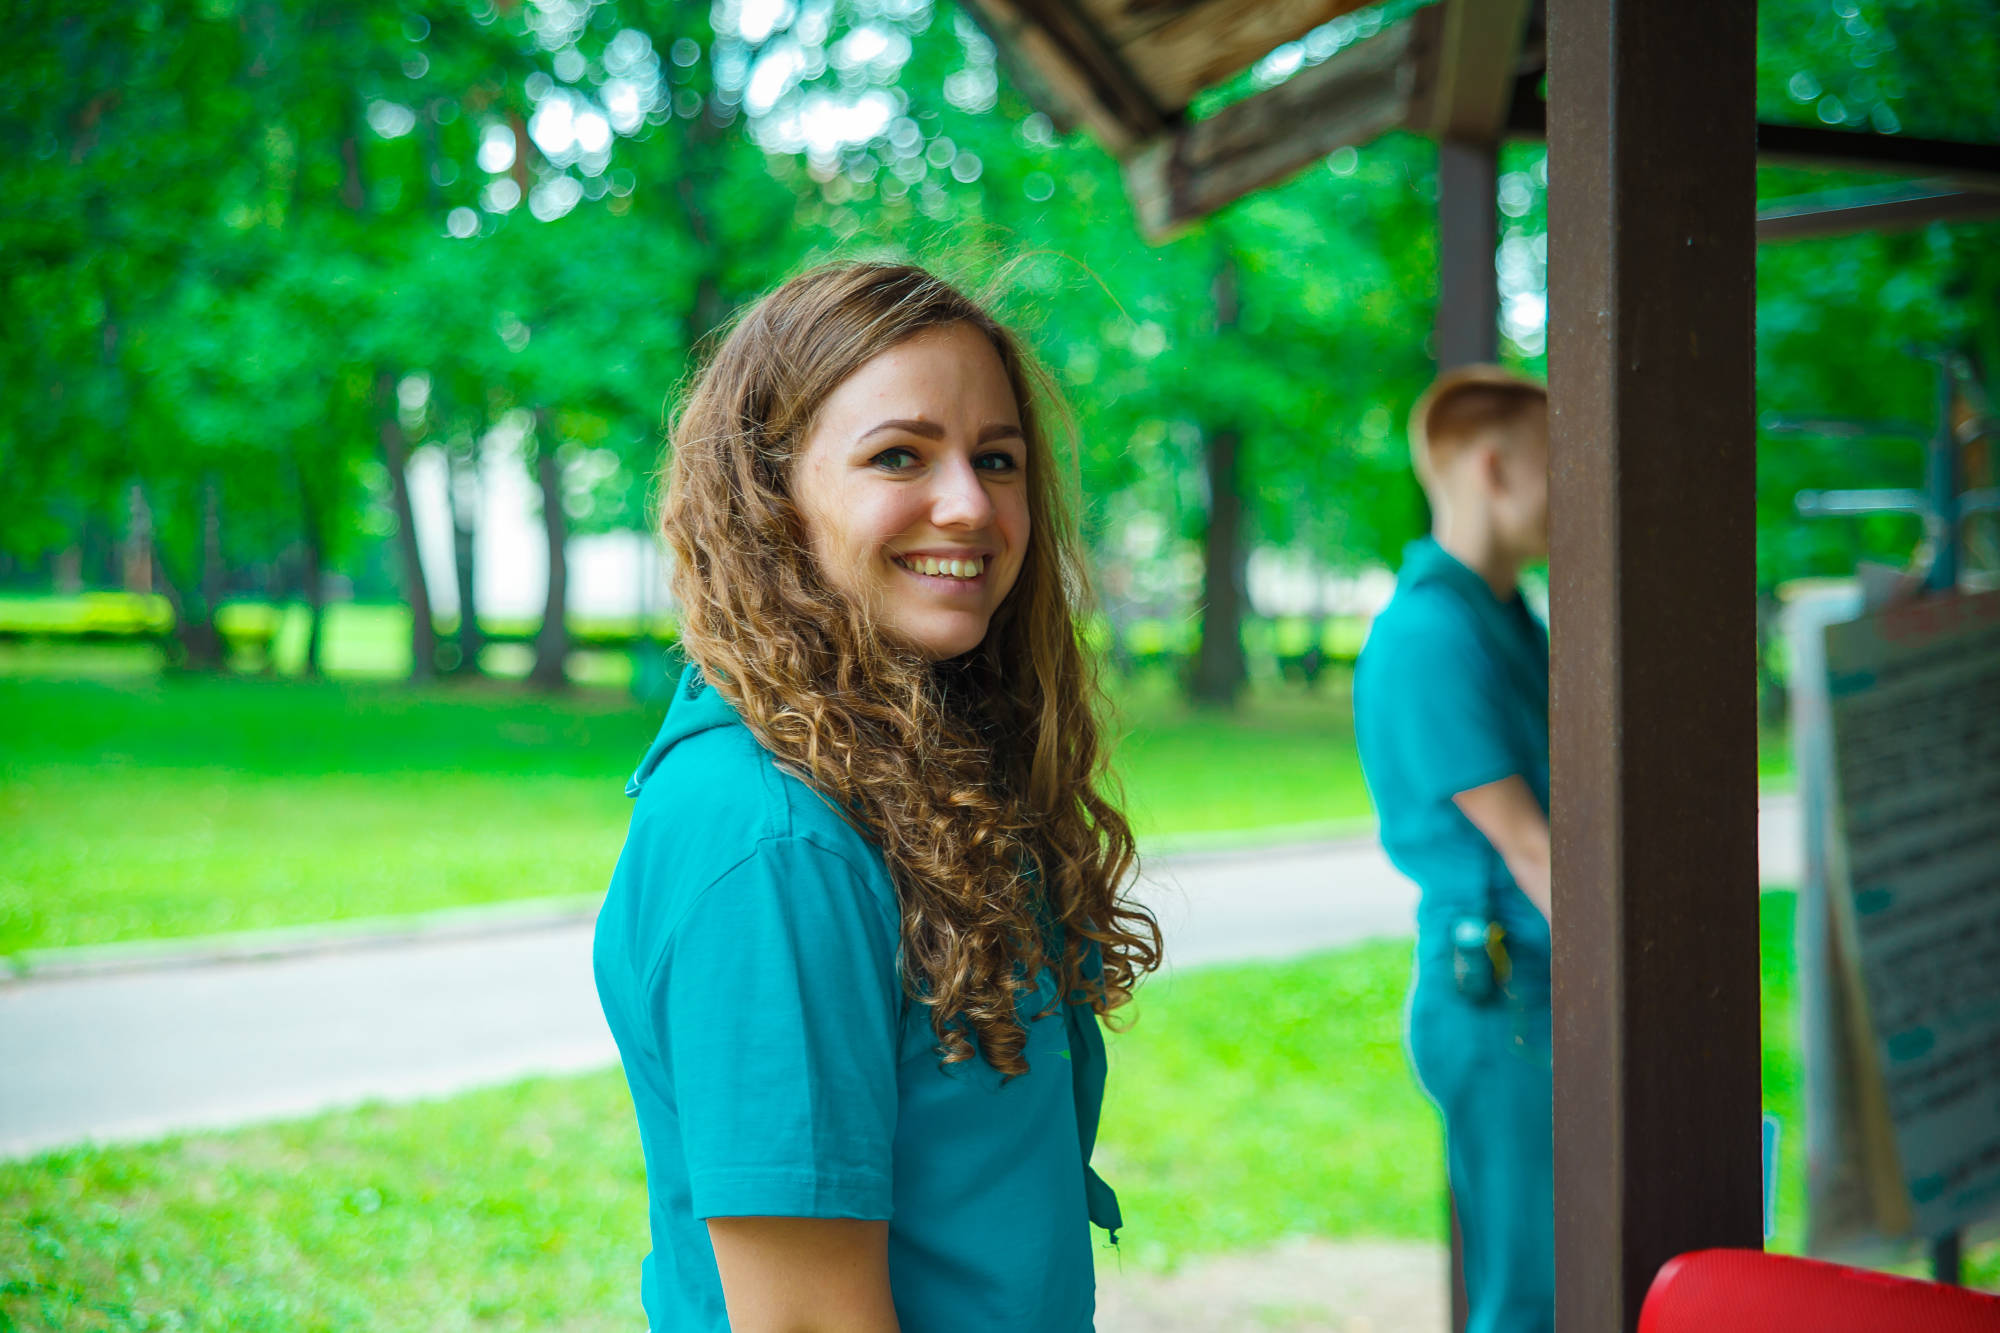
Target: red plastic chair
[[1748, 1291]]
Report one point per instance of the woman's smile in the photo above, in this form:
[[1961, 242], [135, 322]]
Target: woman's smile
[[946, 573]]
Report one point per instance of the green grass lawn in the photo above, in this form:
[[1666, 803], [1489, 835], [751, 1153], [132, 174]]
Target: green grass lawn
[[141, 805], [1246, 1104], [138, 805], [155, 806]]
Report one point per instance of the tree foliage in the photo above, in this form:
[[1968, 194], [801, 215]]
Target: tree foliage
[[227, 226]]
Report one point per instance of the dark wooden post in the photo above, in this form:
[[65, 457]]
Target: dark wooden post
[[1651, 169], [1467, 331], [1468, 313]]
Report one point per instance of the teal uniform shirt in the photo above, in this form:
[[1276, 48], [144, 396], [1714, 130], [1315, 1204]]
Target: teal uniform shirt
[[746, 959], [1451, 693]]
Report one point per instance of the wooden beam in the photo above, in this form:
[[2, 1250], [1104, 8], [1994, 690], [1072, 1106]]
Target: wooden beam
[[1887, 208], [1354, 96], [1652, 155], [1467, 55], [1074, 73], [1203, 44]]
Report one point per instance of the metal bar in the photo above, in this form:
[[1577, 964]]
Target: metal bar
[[1897, 208], [1468, 311], [1969, 163], [1652, 592], [1820, 504], [1845, 430], [1972, 164]]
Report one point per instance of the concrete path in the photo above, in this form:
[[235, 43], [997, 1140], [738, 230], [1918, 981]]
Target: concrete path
[[1297, 1286], [135, 1054]]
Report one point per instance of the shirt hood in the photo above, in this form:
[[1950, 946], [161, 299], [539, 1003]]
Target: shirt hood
[[695, 708]]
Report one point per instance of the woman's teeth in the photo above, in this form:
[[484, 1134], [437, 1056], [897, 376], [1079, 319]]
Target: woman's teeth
[[951, 569]]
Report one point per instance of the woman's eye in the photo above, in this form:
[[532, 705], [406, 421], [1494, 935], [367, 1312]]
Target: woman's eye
[[896, 460], [996, 462]]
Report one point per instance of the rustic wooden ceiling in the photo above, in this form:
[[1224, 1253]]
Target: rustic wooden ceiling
[[1179, 47]]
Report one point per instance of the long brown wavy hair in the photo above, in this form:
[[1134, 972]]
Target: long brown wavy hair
[[982, 779]]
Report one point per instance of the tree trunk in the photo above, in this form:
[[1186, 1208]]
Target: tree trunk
[[464, 531], [195, 645], [1218, 668], [552, 643], [396, 456], [213, 577], [313, 576], [138, 543]]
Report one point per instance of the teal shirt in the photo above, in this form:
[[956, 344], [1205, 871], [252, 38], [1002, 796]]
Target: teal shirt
[[746, 959], [1451, 693]]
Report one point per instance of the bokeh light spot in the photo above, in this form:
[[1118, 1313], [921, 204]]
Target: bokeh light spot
[[496, 149]]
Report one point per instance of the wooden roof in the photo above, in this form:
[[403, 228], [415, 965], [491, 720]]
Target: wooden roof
[[1128, 71]]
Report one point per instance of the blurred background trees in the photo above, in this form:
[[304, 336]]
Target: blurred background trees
[[267, 260]]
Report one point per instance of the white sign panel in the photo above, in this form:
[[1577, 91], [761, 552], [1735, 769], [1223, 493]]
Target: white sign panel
[[1915, 879]]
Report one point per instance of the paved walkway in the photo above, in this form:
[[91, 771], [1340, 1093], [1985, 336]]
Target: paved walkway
[[135, 1054], [1297, 1286]]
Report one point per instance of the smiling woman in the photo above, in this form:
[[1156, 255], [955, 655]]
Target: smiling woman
[[872, 900]]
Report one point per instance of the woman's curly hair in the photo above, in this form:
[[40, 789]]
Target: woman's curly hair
[[982, 779]]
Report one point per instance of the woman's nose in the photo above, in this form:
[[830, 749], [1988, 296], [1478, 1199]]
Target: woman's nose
[[959, 500]]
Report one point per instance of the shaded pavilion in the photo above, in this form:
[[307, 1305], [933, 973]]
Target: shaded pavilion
[[1649, 112]]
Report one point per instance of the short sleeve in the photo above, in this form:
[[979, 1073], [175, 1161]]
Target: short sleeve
[[779, 1016], [1437, 704]]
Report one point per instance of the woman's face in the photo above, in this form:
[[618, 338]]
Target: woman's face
[[914, 490]]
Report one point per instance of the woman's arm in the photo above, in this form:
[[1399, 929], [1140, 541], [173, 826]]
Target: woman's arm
[[804, 1274]]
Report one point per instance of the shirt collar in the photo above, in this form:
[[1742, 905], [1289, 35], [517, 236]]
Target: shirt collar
[[1424, 561]]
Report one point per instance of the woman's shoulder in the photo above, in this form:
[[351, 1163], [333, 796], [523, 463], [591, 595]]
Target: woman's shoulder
[[720, 799]]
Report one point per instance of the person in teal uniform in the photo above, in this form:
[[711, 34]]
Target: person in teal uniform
[[1451, 715], [871, 903]]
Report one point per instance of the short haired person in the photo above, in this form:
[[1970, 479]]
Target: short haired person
[[870, 904], [1451, 715]]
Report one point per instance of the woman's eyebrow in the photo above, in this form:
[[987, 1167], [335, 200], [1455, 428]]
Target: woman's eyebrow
[[930, 430]]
